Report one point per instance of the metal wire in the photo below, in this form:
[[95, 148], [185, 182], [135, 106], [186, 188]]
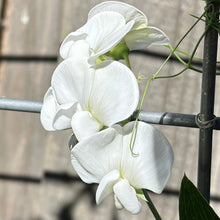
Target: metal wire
[[20, 105], [162, 118]]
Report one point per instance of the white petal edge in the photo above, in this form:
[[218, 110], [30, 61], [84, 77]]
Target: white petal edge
[[145, 37], [129, 12], [69, 40], [113, 29], [84, 125], [115, 93], [118, 204], [126, 194], [106, 185], [62, 119], [55, 116], [94, 157], [72, 81], [49, 110], [79, 49], [151, 168]]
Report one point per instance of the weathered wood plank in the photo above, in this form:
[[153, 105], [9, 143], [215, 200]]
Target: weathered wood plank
[[31, 27], [22, 146], [19, 200]]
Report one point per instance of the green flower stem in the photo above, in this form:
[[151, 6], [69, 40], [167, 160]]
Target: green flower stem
[[142, 102], [158, 71], [174, 49], [187, 65], [194, 16], [187, 54], [155, 76], [176, 55], [151, 205], [197, 45], [195, 69], [126, 58], [136, 120], [172, 76]]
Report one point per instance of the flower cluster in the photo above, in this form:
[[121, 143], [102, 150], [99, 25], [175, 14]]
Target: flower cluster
[[91, 93]]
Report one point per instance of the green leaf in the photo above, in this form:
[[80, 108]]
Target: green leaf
[[192, 205]]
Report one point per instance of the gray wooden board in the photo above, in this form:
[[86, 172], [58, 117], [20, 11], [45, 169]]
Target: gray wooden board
[[31, 27], [19, 200], [22, 146]]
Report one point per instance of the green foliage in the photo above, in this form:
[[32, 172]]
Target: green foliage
[[192, 205]]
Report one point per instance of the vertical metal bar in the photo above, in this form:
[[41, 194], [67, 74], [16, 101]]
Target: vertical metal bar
[[207, 103]]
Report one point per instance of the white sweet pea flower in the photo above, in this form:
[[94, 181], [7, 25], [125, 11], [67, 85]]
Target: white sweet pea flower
[[89, 99], [141, 35], [106, 158], [99, 35]]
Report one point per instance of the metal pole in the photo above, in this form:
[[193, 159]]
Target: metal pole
[[172, 119], [207, 103], [20, 105], [161, 118]]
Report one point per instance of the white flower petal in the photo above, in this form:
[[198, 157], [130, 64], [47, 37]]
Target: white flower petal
[[94, 157], [106, 185], [126, 194], [62, 119], [55, 116], [84, 125], [115, 93], [69, 41], [72, 81], [145, 37], [118, 204], [105, 30], [151, 168], [49, 110], [79, 49], [129, 12]]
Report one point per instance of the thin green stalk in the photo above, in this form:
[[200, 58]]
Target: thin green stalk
[[187, 54], [187, 65], [158, 71], [126, 58], [194, 16], [176, 55], [151, 205], [197, 44], [172, 51], [191, 55], [135, 123], [195, 69], [155, 76], [172, 76], [183, 62]]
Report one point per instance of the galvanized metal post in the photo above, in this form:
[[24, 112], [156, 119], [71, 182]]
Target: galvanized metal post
[[206, 116]]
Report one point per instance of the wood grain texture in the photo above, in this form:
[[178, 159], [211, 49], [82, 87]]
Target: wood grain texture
[[31, 27]]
